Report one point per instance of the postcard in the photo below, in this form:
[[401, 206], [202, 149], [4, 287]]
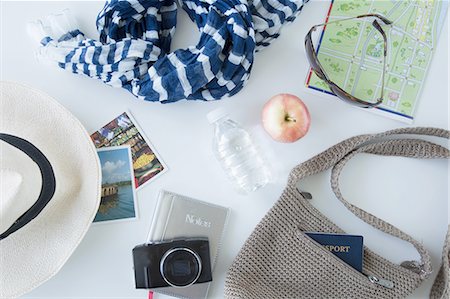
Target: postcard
[[118, 200], [123, 130]]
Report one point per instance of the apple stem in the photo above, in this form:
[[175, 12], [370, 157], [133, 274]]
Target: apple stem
[[288, 118]]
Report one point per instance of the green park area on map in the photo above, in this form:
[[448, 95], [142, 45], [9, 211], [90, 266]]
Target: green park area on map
[[351, 52]]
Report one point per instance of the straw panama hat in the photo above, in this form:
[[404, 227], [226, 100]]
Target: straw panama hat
[[49, 187]]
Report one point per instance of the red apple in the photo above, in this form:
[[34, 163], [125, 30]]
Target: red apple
[[285, 118]]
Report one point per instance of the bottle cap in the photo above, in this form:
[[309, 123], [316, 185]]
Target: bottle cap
[[216, 114]]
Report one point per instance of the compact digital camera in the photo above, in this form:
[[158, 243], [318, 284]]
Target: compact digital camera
[[176, 263]]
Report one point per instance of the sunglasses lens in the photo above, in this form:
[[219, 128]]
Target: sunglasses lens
[[351, 54]]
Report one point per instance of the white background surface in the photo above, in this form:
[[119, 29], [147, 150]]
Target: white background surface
[[411, 194]]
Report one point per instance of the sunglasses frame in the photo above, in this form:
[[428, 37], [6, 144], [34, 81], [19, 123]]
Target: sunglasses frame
[[319, 71]]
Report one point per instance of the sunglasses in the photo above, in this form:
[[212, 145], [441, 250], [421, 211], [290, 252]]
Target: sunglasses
[[316, 66]]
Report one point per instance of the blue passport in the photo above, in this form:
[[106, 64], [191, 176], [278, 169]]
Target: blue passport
[[348, 248]]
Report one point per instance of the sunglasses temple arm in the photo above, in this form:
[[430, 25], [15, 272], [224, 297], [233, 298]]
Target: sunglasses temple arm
[[383, 33], [380, 17], [382, 81], [383, 19]]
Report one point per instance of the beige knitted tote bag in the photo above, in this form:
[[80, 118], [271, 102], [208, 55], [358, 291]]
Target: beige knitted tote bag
[[279, 261]]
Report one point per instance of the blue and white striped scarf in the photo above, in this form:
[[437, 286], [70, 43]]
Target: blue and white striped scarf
[[134, 47]]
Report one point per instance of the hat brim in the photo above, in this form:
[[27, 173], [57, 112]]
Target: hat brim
[[36, 252]]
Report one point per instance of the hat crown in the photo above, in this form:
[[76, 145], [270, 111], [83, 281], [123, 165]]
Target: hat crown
[[10, 182], [20, 184]]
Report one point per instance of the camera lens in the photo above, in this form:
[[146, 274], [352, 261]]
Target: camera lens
[[180, 267]]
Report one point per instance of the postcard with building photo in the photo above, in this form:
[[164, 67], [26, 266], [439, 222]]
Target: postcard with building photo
[[123, 130], [118, 200]]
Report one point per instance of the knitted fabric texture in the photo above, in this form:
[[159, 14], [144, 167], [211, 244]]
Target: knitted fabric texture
[[279, 260], [441, 286], [134, 47]]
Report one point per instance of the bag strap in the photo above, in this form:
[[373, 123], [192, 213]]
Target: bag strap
[[337, 156], [408, 148], [441, 286], [330, 157]]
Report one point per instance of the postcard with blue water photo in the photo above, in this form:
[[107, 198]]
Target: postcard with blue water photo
[[118, 199]]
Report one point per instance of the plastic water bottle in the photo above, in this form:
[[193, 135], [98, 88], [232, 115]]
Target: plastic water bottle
[[236, 152]]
